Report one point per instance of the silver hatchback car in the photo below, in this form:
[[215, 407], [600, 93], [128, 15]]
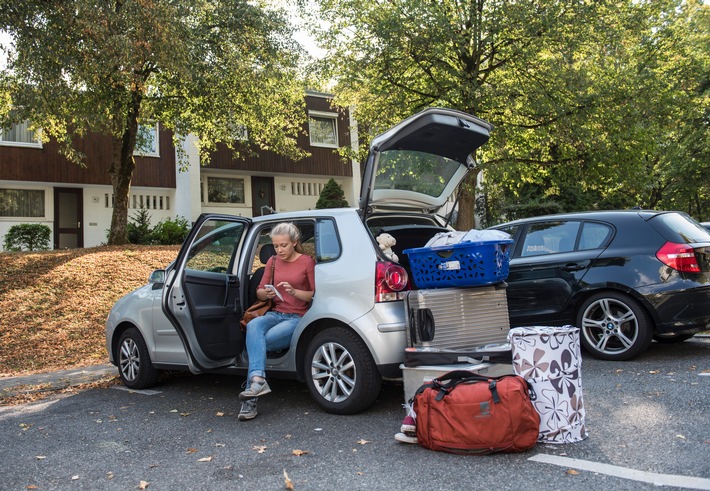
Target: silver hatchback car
[[187, 317]]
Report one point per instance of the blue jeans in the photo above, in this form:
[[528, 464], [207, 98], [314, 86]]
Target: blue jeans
[[270, 332]]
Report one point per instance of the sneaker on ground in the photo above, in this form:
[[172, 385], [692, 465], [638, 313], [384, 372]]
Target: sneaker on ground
[[401, 437], [408, 426], [255, 389], [248, 410]]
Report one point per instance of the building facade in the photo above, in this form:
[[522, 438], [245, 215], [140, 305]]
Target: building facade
[[39, 185]]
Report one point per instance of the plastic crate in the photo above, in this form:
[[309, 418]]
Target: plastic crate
[[460, 265]]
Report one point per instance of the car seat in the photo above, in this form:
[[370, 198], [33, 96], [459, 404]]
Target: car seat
[[266, 251]]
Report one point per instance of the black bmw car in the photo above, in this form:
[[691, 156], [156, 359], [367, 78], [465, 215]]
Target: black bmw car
[[623, 277]]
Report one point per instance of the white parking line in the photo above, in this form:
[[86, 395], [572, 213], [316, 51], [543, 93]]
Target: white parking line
[[624, 472], [145, 392]]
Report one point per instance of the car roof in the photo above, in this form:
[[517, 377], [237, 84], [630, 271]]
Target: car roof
[[590, 215]]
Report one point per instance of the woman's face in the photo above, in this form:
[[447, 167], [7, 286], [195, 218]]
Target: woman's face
[[285, 248]]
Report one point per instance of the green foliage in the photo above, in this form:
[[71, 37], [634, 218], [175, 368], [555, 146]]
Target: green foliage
[[332, 196], [595, 104], [28, 237], [139, 228], [167, 232], [170, 232], [205, 67]]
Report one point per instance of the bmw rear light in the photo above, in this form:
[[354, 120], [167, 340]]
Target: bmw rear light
[[680, 257], [391, 280]]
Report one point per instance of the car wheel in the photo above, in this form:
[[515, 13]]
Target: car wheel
[[672, 338], [614, 326], [134, 365], [340, 372]]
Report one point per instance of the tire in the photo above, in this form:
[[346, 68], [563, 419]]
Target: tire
[[340, 372], [672, 338], [614, 326], [134, 365]]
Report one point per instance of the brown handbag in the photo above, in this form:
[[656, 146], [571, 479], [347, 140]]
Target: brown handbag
[[260, 307]]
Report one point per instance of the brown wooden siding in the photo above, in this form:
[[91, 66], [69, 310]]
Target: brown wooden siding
[[46, 164], [322, 161]]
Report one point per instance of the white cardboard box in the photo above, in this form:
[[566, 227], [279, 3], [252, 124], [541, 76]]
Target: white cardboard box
[[415, 377]]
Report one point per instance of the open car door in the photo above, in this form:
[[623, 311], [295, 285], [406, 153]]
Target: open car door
[[202, 292]]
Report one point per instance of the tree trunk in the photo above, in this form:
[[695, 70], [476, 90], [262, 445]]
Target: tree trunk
[[467, 203], [121, 172]]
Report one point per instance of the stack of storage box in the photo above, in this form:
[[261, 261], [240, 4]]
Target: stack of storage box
[[457, 319]]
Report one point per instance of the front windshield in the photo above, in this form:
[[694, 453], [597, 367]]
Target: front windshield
[[419, 172]]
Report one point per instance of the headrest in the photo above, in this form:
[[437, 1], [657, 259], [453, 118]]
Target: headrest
[[266, 251]]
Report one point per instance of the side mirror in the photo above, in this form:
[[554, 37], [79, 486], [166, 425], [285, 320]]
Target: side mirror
[[157, 276]]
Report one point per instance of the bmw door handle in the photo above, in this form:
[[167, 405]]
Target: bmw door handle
[[573, 267]]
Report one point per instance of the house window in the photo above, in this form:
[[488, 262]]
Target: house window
[[225, 190], [323, 129], [20, 135], [147, 144], [25, 203]]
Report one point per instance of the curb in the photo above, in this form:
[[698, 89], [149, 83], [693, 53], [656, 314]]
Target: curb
[[41, 382]]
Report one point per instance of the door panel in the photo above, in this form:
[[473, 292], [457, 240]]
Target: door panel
[[68, 211], [202, 292], [262, 195]]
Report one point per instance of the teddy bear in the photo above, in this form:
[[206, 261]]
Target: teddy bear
[[386, 241]]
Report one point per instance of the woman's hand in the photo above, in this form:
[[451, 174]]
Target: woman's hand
[[287, 287]]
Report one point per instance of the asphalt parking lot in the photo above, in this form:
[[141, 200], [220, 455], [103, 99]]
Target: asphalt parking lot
[[648, 421]]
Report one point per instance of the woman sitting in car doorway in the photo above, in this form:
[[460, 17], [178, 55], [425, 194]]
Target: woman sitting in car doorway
[[291, 289]]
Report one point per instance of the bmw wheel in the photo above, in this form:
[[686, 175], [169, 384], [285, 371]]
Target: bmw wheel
[[134, 365], [340, 372], [614, 326]]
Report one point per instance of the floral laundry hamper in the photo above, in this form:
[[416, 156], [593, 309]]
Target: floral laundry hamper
[[549, 358]]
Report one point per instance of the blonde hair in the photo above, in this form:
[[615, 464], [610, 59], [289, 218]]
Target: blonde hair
[[290, 230]]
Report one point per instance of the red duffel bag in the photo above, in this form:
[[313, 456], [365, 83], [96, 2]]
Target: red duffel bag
[[466, 413]]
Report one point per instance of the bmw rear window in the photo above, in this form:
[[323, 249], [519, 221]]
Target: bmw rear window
[[679, 228]]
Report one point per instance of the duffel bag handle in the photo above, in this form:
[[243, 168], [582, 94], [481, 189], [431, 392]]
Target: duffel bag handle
[[457, 377]]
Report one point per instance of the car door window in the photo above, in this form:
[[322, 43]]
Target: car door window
[[327, 243], [214, 250], [550, 238], [594, 235]]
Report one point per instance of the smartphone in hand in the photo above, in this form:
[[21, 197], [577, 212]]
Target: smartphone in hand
[[273, 288]]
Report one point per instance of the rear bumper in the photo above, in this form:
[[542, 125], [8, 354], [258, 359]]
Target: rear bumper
[[681, 310]]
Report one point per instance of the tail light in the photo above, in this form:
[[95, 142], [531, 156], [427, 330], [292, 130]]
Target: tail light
[[680, 257], [390, 280]]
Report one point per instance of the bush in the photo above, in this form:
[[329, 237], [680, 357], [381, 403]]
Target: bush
[[28, 236], [332, 196], [139, 230], [170, 232]]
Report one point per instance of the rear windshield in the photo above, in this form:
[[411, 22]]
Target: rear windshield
[[414, 171], [678, 227]]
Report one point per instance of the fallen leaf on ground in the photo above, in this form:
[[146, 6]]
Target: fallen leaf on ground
[[205, 459], [298, 452], [362, 441], [143, 484], [219, 413], [191, 450], [288, 482], [259, 448], [680, 436], [572, 472]]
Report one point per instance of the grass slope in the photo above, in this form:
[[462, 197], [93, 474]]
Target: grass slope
[[53, 305]]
